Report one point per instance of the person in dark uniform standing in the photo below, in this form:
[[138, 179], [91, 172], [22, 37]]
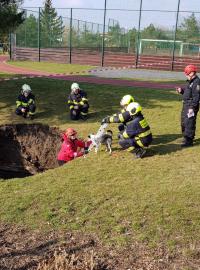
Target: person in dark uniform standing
[[136, 136], [78, 103], [191, 97]]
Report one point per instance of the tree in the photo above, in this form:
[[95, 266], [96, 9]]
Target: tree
[[189, 30], [153, 32], [27, 33], [52, 27], [10, 17]]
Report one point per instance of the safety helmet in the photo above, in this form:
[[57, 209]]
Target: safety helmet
[[70, 132], [75, 86], [26, 88], [133, 108], [190, 68], [127, 99]]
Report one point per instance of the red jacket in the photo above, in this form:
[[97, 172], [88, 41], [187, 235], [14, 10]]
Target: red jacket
[[69, 148]]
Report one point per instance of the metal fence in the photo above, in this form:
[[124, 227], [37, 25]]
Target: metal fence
[[111, 36]]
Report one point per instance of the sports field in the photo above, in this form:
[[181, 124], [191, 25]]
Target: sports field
[[104, 207]]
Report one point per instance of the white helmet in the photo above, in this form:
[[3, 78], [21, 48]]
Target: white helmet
[[134, 108], [26, 88], [127, 99], [75, 86]]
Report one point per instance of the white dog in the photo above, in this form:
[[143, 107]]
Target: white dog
[[101, 137]]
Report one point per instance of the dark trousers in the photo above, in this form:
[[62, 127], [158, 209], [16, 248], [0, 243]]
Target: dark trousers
[[81, 112], [135, 142], [29, 109], [188, 125]]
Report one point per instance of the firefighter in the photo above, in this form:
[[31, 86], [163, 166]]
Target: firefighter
[[26, 102], [72, 147], [78, 103], [191, 97], [136, 135]]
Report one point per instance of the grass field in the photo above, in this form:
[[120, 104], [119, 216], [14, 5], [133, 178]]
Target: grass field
[[51, 67], [155, 199]]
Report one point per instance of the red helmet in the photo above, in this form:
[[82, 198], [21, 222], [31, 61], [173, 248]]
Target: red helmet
[[70, 132], [190, 68]]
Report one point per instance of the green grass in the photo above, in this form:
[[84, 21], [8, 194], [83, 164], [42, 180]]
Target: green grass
[[155, 199], [51, 67]]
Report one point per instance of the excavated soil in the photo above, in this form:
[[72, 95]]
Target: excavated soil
[[21, 249], [27, 149]]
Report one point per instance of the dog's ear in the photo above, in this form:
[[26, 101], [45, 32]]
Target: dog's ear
[[110, 131], [89, 136]]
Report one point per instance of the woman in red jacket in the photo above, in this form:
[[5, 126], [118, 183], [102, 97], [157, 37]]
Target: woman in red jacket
[[71, 147]]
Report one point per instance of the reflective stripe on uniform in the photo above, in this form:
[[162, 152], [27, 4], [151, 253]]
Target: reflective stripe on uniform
[[125, 135], [138, 141], [111, 119], [83, 113], [144, 134], [71, 107], [121, 118], [131, 148], [18, 103]]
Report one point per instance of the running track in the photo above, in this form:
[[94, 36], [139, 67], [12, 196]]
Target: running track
[[6, 68]]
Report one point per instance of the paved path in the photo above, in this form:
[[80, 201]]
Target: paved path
[[5, 67]]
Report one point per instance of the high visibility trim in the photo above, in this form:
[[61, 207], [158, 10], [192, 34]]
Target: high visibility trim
[[83, 113], [131, 148], [138, 141], [144, 134], [121, 118], [111, 120], [18, 103], [125, 135], [31, 113], [71, 107]]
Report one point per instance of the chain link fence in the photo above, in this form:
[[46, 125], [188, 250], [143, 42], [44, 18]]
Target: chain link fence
[[111, 37]]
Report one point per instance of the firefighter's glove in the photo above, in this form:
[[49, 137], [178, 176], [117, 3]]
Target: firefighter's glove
[[190, 113], [105, 120]]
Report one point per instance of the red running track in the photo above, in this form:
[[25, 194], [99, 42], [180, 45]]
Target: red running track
[[5, 67]]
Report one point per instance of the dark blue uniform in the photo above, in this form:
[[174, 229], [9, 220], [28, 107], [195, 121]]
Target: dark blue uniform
[[28, 103], [78, 105], [191, 97], [137, 133]]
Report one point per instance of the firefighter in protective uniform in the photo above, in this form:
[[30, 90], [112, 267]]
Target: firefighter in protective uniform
[[136, 135], [78, 103], [191, 97], [26, 102]]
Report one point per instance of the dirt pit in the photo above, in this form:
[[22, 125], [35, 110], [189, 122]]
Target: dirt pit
[[27, 149]]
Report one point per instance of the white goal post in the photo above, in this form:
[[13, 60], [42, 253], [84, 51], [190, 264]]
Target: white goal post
[[154, 41]]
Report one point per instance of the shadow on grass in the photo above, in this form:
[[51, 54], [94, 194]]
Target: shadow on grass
[[165, 144]]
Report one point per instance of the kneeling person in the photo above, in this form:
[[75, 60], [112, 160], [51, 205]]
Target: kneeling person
[[72, 147], [78, 103], [137, 134], [26, 102]]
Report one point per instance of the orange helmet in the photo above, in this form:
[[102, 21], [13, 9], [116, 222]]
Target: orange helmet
[[190, 68], [70, 132]]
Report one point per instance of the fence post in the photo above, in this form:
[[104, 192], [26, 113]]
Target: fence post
[[70, 38], [138, 36], [10, 45], [103, 37], [175, 31], [39, 26]]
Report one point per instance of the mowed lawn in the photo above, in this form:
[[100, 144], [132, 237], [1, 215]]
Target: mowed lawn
[[52, 67], [155, 199]]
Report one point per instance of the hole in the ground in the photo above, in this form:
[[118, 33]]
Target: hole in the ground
[[27, 149]]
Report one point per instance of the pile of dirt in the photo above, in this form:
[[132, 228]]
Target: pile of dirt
[[27, 149], [22, 249]]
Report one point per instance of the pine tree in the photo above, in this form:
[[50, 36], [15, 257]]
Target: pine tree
[[10, 17], [52, 27]]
